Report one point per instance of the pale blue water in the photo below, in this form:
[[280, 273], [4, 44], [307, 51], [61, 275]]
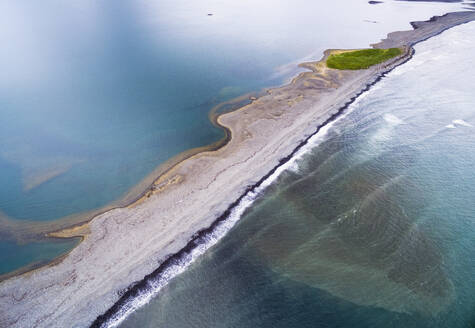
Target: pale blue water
[[94, 95], [107, 91], [374, 227], [33, 254]]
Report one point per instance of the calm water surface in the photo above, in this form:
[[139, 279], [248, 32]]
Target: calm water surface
[[94, 95], [373, 227]]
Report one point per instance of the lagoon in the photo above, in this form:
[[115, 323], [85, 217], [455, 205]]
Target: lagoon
[[94, 96]]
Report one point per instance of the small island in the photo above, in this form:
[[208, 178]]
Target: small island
[[361, 59]]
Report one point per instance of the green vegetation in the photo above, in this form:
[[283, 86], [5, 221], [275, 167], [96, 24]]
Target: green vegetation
[[360, 59]]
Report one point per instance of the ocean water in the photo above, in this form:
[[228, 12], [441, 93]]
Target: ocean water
[[95, 95], [371, 225]]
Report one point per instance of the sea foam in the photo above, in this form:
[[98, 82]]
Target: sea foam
[[462, 123], [208, 240], [392, 119]]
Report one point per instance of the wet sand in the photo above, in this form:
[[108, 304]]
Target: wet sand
[[125, 244]]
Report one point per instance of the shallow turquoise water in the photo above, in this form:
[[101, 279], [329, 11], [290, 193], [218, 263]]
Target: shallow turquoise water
[[94, 95], [15, 255], [373, 227], [100, 94]]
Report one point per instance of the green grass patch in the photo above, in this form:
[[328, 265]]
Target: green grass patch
[[361, 59]]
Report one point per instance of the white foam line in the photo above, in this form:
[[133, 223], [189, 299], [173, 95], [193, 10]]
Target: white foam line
[[462, 123], [175, 269], [222, 227]]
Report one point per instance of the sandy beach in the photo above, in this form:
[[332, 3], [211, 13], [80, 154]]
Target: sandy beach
[[123, 245]]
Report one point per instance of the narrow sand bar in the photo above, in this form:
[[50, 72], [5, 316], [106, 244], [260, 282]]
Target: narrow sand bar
[[123, 245]]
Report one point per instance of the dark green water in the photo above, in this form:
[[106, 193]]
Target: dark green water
[[372, 226]]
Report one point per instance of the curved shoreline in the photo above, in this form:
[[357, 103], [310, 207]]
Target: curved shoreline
[[77, 225], [141, 286], [367, 78], [74, 225]]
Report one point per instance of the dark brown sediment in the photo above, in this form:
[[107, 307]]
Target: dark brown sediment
[[126, 244]]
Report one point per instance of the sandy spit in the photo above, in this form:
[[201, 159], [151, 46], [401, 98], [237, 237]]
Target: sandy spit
[[125, 244]]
